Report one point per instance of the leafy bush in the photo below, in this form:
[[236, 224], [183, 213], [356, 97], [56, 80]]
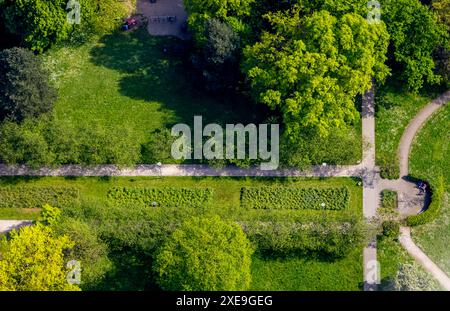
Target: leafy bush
[[49, 215], [391, 229], [24, 86], [433, 209], [205, 254], [389, 199], [295, 198], [162, 197], [36, 197], [324, 238], [89, 250], [389, 168]]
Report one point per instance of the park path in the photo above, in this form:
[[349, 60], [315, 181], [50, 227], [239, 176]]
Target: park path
[[407, 243], [9, 225], [414, 126]]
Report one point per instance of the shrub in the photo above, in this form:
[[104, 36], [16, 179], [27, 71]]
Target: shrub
[[34, 197], [389, 168], [24, 87], [410, 277], [205, 254], [89, 250], [49, 215], [33, 259], [295, 198], [389, 199], [162, 197], [322, 238], [391, 229], [433, 209]]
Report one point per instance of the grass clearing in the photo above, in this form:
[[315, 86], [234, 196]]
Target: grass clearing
[[430, 160], [395, 109], [294, 273], [125, 83]]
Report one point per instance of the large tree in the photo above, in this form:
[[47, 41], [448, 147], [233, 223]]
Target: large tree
[[24, 87], [39, 23], [33, 259], [205, 254], [416, 34], [312, 66]]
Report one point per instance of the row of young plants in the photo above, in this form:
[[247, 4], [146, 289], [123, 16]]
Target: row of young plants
[[336, 198], [162, 197], [36, 197]]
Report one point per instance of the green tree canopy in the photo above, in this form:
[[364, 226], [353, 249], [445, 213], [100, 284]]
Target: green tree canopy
[[416, 34], [205, 254], [24, 87], [39, 23], [312, 67], [33, 259], [233, 12]]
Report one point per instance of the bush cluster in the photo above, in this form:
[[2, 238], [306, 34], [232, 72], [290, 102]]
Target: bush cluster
[[162, 197], [295, 198], [36, 197], [325, 239]]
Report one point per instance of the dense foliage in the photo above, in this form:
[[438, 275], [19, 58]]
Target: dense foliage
[[324, 238], [163, 197], [42, 23], [312, 68], [411, 278], [295, 198], [24, 86], [416, 35], [34, 259], [36, 197], [205, 254]]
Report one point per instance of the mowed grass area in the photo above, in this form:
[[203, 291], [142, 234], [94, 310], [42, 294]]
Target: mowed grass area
[[292, 274], [430, 160], [395, 107], [268, 273], [133, 83]]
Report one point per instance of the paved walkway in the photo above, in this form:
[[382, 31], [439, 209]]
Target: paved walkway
[[157, 14], [422, 258], [9, 225]]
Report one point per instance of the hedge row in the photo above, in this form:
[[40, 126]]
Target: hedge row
[[33, 197], [162, 197], [295, 198], [325, 238], [432, 211]]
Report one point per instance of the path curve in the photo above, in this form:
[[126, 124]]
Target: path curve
[[413, 128], [404, 150], [407, 242]]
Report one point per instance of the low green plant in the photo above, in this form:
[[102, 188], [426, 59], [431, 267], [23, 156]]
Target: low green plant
[[162, 197], [36, 197], [391, 228], [295, 198]]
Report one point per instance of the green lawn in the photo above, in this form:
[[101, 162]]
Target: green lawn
[[126, 83], [293, 274], [395, 108], [19, 213], [430, 159], [268, 273]]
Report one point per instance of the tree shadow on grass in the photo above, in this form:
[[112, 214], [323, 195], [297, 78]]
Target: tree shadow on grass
[[155, 70]]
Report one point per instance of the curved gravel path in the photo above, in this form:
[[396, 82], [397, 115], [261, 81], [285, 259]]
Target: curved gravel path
[[414, 126], [407, 243]]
